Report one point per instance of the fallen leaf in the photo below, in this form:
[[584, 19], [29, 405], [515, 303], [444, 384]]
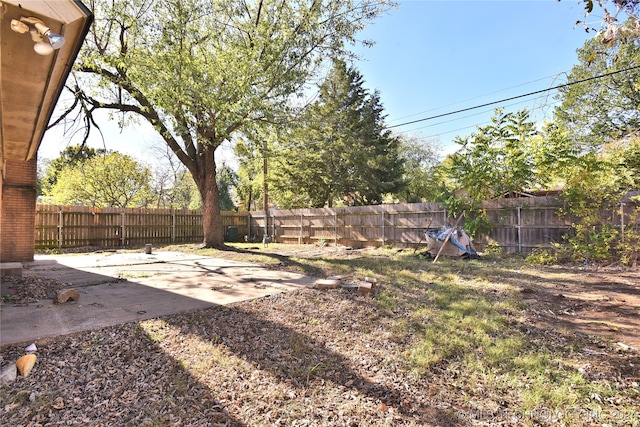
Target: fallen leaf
[[58, 403]]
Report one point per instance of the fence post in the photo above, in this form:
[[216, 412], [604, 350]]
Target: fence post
[[173, 225], [301, 225], [273, 227], [335, 228], [519, 227], [122, 228], [60, 229], [249, 226], [382, 228]]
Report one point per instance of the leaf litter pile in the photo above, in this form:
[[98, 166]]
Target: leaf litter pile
[[331, 358], [30, 290]]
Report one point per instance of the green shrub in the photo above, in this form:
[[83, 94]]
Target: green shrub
[[493, 248], [556, 254]]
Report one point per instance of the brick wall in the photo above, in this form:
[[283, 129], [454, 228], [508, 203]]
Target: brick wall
[[18, 211]]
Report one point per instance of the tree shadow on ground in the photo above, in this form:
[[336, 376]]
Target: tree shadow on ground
[[283, 261], [295, 361], [113, 376]]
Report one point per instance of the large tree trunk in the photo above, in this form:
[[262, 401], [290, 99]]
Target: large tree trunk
[[212, 218]]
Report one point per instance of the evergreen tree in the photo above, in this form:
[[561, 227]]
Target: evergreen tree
[[227, 181], [341, 152]]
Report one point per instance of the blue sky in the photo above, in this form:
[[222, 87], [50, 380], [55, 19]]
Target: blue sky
[[434, 57]]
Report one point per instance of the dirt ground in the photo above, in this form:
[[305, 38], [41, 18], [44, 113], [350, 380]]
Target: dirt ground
[[602, 301]]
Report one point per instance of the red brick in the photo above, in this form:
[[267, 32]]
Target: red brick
[[364, 289], [18, 211]]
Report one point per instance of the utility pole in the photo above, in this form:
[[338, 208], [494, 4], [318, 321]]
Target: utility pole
[[265, 192]]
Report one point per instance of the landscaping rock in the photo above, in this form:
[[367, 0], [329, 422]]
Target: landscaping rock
[[327, 283], [8, 373], [25, 364], [64, 295]]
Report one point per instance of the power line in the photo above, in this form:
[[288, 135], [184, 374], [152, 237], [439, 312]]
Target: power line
[[514, 97], [476, 114], [472, 115], [308, 144], [476, 97]]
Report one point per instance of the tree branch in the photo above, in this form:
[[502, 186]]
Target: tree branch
[[146, 109]]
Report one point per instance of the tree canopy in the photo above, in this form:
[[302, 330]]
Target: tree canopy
[[250, 178], [604, 109], [497, 159], [200, 71], [590, 146], [110, 180], [70, 156], [612, 12], [421, 170], [172, 184]]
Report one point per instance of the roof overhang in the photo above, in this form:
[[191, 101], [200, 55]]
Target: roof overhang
[[30, 84]]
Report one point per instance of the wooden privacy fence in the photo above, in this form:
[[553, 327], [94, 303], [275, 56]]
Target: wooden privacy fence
[[520, 225], [77, 226], [352, 226], [523, 224]]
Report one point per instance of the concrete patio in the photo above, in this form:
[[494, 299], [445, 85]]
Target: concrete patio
[[120, 287]]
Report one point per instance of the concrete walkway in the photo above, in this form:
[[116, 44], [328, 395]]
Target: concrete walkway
[[116, 288]]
